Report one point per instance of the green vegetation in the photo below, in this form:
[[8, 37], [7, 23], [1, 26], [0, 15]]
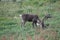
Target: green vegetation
[[10, 26]]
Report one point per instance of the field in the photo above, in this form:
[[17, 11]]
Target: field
[[10, 22]]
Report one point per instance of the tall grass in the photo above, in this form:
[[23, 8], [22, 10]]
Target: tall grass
[[10, 27]]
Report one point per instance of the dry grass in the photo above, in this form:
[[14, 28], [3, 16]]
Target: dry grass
[[43, 35], [28, 37], [3, 37], [11, 37]]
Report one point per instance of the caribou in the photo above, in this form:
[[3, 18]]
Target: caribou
[[34, 19]]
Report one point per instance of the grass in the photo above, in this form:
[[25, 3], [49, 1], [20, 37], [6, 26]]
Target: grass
[[10, 28]]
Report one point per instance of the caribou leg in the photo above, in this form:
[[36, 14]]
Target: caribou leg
[[23, 23], [33, 24]]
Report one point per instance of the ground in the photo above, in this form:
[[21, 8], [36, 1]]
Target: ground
[[10, 22]]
